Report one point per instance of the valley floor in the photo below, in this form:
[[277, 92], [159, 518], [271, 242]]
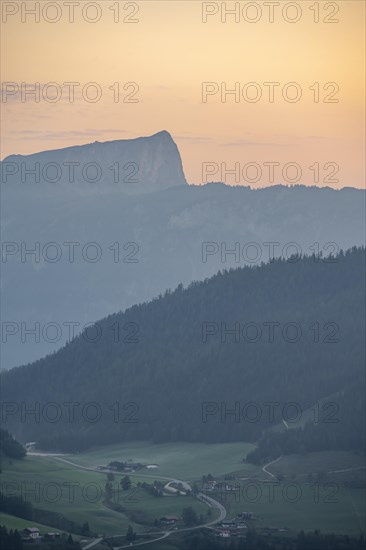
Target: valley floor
[[323, 491]]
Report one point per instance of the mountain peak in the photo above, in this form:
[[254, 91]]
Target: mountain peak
[[139, 165], [162, 134]]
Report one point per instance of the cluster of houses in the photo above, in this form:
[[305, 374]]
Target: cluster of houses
[[127, 467], [34, 534], [233, 527]]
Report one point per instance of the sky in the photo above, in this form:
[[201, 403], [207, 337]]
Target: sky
[[151, 62]]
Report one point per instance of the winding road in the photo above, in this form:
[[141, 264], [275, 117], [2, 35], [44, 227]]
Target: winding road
[[264, 469]]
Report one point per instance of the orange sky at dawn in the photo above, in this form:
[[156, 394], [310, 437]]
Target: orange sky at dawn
[[166, 49]]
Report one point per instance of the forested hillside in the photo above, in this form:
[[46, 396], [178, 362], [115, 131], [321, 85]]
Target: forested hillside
[[9, 446], [167, 370]]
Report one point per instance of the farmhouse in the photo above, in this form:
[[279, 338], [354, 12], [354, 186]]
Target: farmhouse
[[31, 532], [232, 487], [245, 515], [168, 520], [228, 524], [53, 536]]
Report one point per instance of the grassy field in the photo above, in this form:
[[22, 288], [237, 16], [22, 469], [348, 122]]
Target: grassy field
[[48, 485], [323, 501], [79, 495], [329, 508], [11, 522], [154, 508], [296, 505], [185, 461], [313, 463]]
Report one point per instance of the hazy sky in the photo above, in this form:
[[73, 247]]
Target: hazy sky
[[169, 52]]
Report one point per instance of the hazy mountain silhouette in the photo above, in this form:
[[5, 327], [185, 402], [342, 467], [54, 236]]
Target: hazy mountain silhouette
[[137, 165]]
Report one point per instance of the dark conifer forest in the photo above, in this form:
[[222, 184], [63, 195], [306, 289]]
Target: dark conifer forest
[[223, 360]]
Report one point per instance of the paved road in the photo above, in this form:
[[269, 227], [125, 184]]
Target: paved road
[[214, 504], [348, 470], [91, 544], [166, 534], [269, 463]]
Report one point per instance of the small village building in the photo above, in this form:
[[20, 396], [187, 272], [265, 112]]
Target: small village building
[[53, 536], [228, 524], [245, 515], [31, 532], [168, 520]]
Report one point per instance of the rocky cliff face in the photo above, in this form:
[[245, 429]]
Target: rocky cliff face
[[134, 165]]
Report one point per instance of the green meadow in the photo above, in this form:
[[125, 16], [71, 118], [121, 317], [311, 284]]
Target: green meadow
[[296, 505], [12, 522], [79, 495], [184, 461], [298, 501]]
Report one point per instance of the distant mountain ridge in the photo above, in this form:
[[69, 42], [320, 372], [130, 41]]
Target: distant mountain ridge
[[150, 234], [136, 165]]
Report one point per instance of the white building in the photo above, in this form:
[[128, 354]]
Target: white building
[[32, 532]]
